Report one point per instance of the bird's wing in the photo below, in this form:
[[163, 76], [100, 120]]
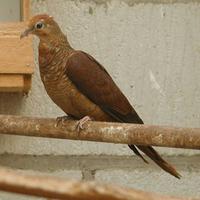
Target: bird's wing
[[93, 81]]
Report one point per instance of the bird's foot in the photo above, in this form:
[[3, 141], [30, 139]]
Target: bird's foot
[[62, 119], [81, 122]]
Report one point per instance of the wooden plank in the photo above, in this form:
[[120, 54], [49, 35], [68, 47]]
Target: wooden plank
[[17, 69], [11, 83], [17, 56], [11, 28], [25, 9]]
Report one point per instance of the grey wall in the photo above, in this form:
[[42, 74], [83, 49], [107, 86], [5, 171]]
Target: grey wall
[[152, 50], [10, 10]]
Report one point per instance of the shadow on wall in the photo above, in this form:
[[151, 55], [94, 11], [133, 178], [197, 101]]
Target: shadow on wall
[[11, 103]]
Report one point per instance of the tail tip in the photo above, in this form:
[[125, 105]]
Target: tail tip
[[177, 175]]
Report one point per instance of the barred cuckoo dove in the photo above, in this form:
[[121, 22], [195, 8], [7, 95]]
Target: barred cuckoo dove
[[81, 86]]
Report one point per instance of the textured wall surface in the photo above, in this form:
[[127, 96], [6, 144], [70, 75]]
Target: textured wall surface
[[152, 50], [9, 10]]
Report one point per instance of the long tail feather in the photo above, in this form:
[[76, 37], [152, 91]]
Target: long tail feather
[[150, 152], [134, 149]]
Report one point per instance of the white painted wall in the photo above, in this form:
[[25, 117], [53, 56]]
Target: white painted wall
[[152, 50]]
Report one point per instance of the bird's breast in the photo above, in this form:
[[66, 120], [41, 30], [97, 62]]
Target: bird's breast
[[66, 95]]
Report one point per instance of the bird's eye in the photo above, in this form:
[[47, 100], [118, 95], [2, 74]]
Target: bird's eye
[[39, 25]]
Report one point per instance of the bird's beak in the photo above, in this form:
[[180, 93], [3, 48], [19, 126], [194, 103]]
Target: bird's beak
[[26, 33]]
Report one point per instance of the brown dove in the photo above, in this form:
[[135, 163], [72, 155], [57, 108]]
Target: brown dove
[[81, 86]]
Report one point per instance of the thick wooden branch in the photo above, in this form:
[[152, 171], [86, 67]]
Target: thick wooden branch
[[54, 188], [102, 132]]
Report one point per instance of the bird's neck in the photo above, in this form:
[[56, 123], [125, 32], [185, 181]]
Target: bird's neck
[[52, 52], [54, 42]]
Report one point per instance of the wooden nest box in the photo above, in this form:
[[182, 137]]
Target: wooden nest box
[[16, 59]]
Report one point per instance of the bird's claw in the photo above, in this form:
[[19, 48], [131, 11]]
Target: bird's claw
[[81, 122], [61, 120]]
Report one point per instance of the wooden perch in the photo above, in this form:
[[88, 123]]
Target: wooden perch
[[102, 132], [55, 188]]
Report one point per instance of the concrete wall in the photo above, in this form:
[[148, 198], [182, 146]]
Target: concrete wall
[[10, 11], [152, 50]]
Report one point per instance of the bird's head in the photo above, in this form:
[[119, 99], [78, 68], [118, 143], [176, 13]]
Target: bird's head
[[42, 26]]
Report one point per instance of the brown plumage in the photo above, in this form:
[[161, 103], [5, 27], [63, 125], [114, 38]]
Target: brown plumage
[[80, 85]]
